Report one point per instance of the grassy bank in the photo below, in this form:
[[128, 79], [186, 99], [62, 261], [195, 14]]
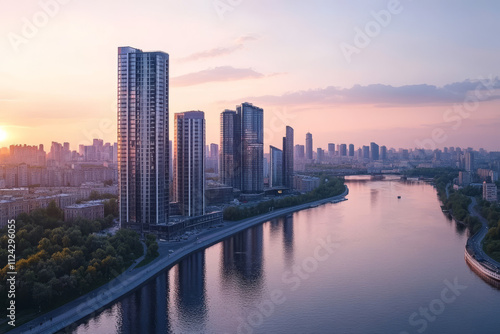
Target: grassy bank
[[328, 188]]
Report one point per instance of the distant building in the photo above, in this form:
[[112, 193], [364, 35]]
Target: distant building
[[464, 179], [383, 153], [304, 183], [487, 175], [331, 149], [469, 161], [242, 148], [189, 162], [276, 167], [309, 146], [343, 150], [489, 192], [299, 152], [90, 211], [351, 150], [366, 152], [288, 158], [320, 155], [374, 152]]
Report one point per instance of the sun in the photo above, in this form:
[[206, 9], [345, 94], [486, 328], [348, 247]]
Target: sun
[[3, 135]]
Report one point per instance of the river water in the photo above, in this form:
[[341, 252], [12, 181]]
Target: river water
[[372, 264]]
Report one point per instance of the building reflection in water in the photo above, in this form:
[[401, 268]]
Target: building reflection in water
[[242, 257], [145, 311], [288, 239], [191, 293]]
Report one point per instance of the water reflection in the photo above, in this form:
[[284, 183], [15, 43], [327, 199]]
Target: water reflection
[[146, 310], [242, 256], [288, 239], [393, 259], [191, 299]]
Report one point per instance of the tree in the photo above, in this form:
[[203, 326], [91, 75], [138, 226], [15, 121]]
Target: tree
[[53, 211]]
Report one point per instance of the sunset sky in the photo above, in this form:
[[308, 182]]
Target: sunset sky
[[426, 68]]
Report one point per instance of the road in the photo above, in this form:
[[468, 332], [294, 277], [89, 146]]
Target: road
[[476, 240], [131, 279]]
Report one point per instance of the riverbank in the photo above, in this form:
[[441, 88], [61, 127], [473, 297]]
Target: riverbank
[[170, 254], [474, 253]]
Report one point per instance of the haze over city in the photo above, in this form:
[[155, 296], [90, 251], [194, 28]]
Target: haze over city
[[293, 59]]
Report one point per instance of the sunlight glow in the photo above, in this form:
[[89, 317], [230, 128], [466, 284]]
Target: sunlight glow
[[3, 135]]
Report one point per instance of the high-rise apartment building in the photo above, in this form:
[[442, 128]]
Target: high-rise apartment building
[[230, 149], [252, 148], [331, 149], [189, 162], [299, 152], [366, 152], [383, 153], [469, 161], [242, 148], [276, 167], [143, 151], [309, 146], [343, 150], [351, 150], [374, 152], [288, 158]]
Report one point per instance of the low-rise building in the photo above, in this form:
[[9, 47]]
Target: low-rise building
[[489, 192], [304, 183], [90, 210]]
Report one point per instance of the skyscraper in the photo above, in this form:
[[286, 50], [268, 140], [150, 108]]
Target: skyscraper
[[383, 153], [288, 158], [299, 152], [189, 162], [351, 150], [309, 146], [469, 161], [230, 149], [366, 152], [276, 167], [143, 138], [343, 150], [374, 152], [252, 147], [331, 149], [242, 148]]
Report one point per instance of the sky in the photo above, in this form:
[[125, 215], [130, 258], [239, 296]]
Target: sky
[[409, 73]]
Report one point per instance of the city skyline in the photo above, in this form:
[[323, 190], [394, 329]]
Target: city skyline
[[363, 100]]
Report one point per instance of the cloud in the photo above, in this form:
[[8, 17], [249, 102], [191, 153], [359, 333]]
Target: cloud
[[239, 43], [388, 96], [222, 73]]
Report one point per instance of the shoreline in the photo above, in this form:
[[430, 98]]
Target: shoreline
[[474, 254], [130, 280]]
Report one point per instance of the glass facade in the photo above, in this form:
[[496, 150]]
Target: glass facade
[[276, 167], [288, 158], [143, 138], [189, 162], [252, 148]]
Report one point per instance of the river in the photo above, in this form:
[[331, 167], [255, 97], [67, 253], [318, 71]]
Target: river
[[372, 264]]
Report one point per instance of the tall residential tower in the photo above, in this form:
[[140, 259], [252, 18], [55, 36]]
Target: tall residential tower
[[242, 148], [189, 162], [143, 148]]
